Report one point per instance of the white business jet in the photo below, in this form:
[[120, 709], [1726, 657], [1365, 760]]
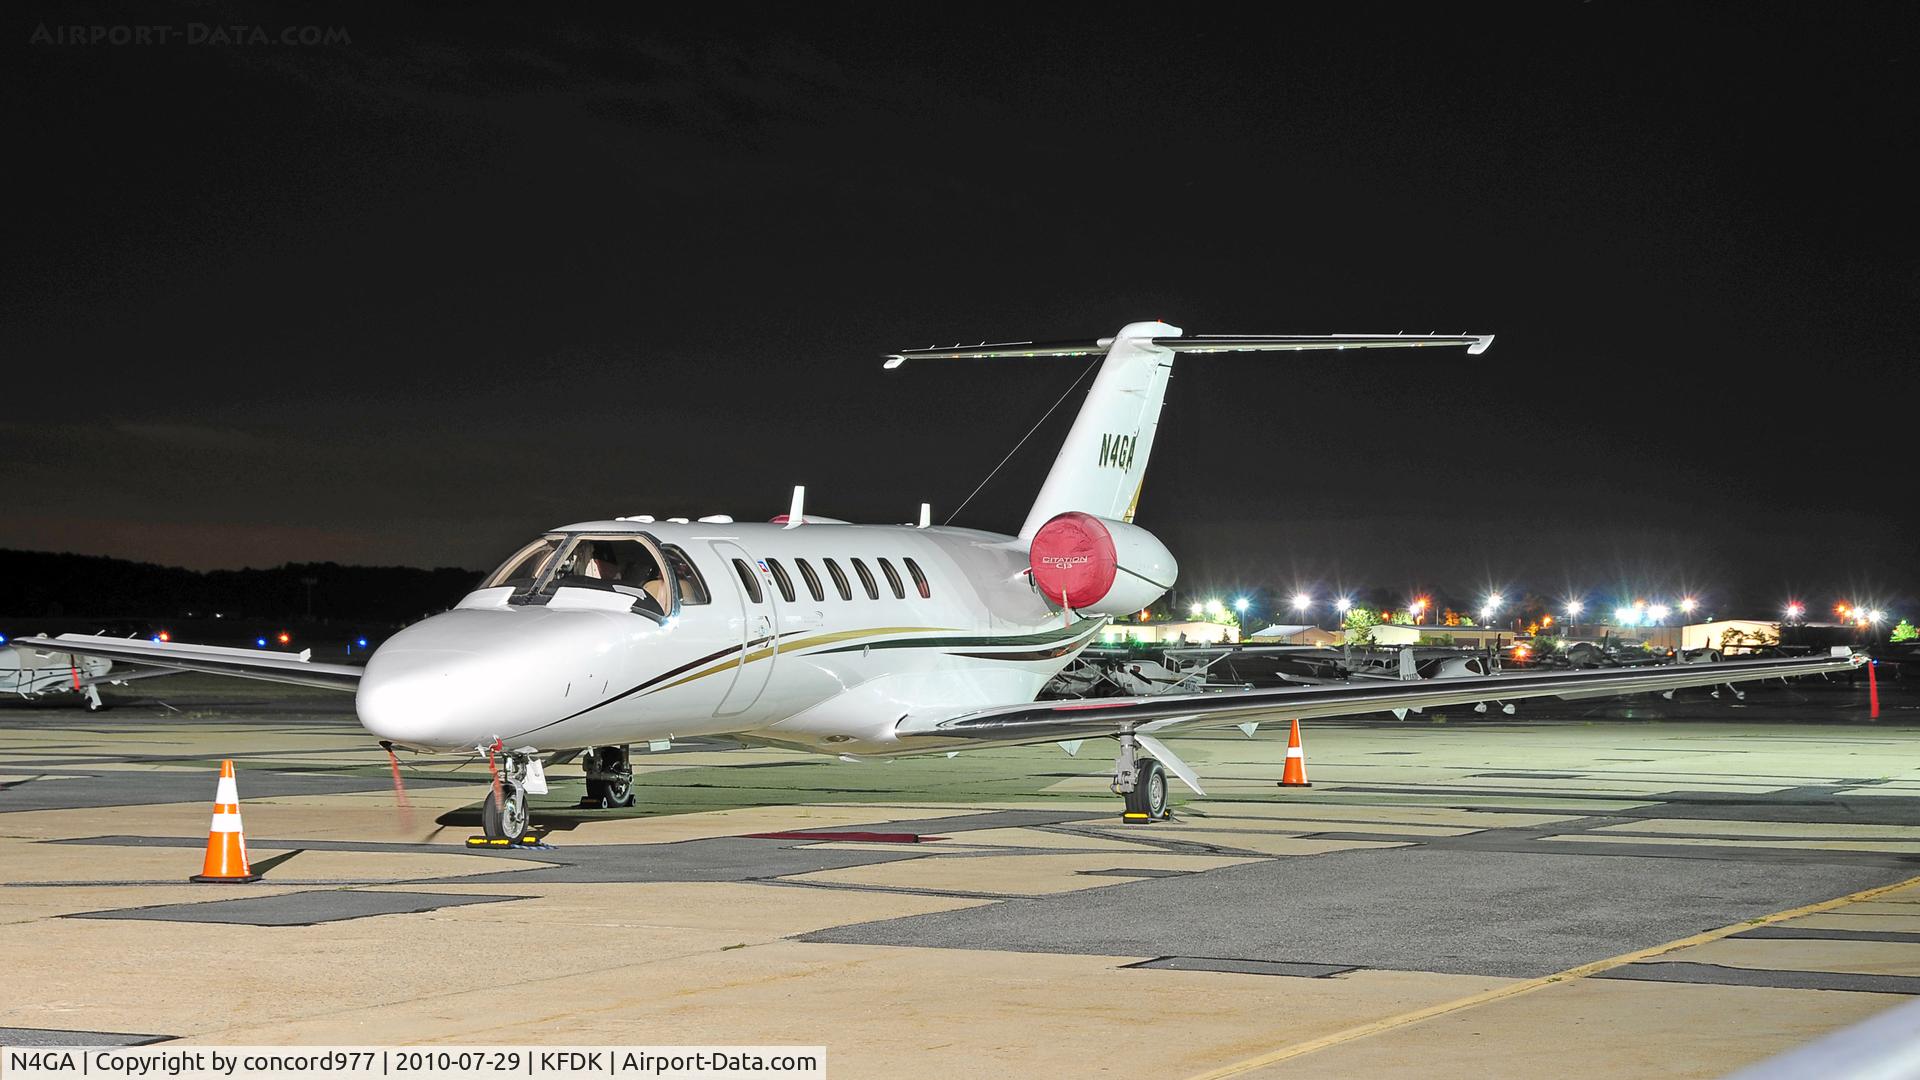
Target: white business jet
[[864, 641]]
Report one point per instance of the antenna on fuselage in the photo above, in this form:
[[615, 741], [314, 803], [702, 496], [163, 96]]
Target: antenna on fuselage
[[797, 511], [926, 515]]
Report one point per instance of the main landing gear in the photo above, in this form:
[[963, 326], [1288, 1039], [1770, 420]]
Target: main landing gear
[[1142, 782], [609, 778]]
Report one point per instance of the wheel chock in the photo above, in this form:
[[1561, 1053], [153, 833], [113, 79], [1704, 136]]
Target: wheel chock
[[530, 840], [1136, 817]]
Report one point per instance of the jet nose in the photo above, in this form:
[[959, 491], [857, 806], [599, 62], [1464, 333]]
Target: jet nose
[[466, 677], [437, 685], [409, 702]]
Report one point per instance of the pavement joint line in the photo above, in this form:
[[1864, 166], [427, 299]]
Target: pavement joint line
[[901, 890], [1526, 986]]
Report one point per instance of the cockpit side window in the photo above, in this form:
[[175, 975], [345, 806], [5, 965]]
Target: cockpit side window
[[523, 569], [622, 564], [693, 588]]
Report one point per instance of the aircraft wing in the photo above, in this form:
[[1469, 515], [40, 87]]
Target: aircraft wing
[[174, 656], [1043, 721]]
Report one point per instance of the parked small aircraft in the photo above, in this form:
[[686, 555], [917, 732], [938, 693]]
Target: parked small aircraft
[[33, 672], [865, 641]]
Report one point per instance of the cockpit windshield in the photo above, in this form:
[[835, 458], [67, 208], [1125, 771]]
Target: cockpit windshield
[[629, 564], [524, 568]]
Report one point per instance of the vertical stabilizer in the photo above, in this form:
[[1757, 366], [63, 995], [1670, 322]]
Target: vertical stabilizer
[[1101, 466]]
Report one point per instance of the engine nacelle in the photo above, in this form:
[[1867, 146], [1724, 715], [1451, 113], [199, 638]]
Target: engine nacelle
[[1100, 566]]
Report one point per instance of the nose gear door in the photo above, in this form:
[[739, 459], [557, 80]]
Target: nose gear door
[[758, 624]]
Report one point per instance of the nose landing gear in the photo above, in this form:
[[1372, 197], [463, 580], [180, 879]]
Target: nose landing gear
[[503, 817]]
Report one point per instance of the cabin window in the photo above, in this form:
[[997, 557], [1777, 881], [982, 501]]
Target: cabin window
[[812, 579], [781, 580], [839, 580], [893, 580], [747, 580], [866, 579], [919, 579], [693, 588]]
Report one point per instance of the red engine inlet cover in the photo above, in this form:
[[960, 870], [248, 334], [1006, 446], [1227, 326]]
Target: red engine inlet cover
[[1073, 559]]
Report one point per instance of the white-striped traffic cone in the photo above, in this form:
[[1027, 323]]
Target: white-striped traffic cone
[[1295, 774], [226, 843]]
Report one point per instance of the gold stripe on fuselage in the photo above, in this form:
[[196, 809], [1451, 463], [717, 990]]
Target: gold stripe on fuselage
[[803, 643]]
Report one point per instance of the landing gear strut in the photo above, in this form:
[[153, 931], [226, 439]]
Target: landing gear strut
[[609, 778], [1142, 782], [503, 816]]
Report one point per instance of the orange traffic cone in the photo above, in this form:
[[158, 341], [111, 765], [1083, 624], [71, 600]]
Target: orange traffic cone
[[226, 844], [1296, 771]]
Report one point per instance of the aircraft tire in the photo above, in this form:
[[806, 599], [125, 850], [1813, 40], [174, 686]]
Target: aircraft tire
[[615, 787], [1149, 794], [508, 822]]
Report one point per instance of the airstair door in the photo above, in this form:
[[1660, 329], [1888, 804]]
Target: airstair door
[[758, 625]]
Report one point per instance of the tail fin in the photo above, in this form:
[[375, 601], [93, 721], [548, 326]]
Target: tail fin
[[1104, 461], [1103, 464]]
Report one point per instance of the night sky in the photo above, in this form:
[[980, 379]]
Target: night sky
[[414, 298]]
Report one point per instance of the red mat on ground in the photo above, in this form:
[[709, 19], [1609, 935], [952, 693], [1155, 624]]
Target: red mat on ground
[[855, 837]]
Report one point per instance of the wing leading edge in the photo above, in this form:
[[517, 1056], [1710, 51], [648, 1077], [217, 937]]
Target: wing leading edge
[[1050, 720], [166, 656]]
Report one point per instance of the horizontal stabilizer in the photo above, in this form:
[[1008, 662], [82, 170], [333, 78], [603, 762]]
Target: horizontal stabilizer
[[1200, 343]]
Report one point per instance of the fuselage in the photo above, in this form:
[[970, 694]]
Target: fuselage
[[820, 636], [30, 673]]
